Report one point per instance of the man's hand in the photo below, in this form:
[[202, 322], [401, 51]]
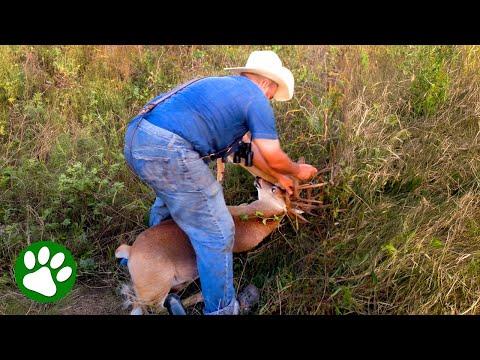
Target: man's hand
[[269, 157], [305, 172], [286, 182]]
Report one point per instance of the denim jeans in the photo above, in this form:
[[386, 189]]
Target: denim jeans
[[187, 192]]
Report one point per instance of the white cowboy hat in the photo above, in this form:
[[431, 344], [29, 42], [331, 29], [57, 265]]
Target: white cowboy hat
[[268, 64]]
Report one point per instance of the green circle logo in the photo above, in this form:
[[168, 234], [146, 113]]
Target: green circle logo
[[45, 271]]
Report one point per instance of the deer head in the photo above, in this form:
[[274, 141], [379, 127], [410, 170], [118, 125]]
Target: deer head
[[307, 198], [272, 195]]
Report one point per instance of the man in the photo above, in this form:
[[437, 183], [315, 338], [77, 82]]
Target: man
[[169, 144]]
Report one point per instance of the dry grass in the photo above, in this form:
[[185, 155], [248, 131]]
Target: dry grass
[[398, 126]]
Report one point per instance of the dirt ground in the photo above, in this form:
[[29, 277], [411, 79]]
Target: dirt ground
[[93, 301], [83, 300]]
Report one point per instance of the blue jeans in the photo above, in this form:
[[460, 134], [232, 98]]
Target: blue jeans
[[187, 191]]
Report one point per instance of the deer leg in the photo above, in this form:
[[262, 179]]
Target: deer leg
[[188, 302], [136, 311], [148, 296], [183, 285], [192, 300]]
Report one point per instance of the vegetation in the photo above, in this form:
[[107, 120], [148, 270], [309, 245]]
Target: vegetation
[[398, 127]]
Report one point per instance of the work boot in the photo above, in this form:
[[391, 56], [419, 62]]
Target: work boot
[[248, 298]]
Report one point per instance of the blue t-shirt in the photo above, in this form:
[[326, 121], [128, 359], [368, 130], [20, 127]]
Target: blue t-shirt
[[214, 112]]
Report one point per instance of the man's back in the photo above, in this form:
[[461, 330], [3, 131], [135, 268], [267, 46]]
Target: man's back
[[214, 112]]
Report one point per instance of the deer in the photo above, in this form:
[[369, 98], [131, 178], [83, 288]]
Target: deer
[[162, 259]]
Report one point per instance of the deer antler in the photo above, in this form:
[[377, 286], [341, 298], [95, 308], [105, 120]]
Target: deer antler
[[297, 205], [307, 198]]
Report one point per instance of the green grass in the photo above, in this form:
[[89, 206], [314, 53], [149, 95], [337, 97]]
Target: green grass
[[401, 125]]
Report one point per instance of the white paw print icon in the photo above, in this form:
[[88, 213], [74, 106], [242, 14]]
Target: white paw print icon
[[41, 281]]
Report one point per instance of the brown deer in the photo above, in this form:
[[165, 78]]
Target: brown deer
[[161, 259]]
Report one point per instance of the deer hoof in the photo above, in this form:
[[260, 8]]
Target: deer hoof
[[136, 311]]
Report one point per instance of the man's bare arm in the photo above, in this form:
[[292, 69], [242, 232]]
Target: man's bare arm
[[274, 156], [276, 159], [260, 163]]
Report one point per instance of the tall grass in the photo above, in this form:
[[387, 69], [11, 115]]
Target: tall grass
[[397, 125]]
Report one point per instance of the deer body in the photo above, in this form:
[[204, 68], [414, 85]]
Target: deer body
[[162, 258]]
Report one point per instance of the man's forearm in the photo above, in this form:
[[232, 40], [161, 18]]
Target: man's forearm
[[258, 159], [283, 164], [278, 161], [260, 162]]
